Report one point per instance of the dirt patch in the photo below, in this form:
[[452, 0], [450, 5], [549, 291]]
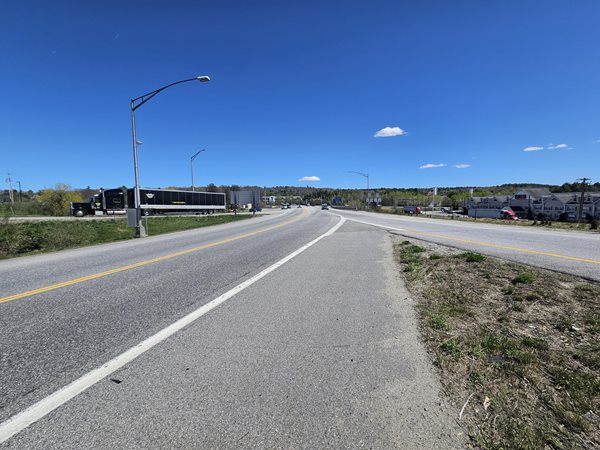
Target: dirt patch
[[517, 347]]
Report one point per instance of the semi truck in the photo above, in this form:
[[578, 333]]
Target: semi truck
[[152, 201], [504, 213]]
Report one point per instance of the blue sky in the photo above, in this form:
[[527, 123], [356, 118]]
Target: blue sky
[[300, 88]]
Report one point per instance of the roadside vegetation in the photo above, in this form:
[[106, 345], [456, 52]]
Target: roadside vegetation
[[518, 348], [26, 238]]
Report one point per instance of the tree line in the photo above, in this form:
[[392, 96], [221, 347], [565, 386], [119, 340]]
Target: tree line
[[56, 201]]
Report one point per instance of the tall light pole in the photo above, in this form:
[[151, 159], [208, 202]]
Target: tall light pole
[[192, 164], [135, 104], [366, 175]]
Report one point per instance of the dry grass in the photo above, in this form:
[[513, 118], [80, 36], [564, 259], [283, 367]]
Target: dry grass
[[523, 342]]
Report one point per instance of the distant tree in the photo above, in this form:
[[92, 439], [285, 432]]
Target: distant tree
[[211, 188], [56, 201]]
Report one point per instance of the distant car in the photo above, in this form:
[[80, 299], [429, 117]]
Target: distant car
[[299, 206], [256, 209], [324, 206]]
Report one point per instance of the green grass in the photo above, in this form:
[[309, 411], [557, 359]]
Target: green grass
[[524, 278], [472, 257], [26, 238]]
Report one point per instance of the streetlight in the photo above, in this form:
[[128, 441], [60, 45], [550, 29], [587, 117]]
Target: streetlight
[[192, 164], [366, 175], [135, 104]]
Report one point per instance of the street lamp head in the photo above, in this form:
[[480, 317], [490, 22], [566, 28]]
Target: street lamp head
[[203, 78]]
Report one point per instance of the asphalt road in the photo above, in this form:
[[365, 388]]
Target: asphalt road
[[301, 336], [573, 252]]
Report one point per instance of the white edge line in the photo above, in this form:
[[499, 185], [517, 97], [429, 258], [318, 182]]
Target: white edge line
[[386, 227], [35, 412]]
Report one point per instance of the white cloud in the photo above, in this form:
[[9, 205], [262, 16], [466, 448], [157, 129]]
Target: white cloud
[[432, 166], [310, 178], [533, 149], [462, 166], [551, 147], [561, 146], [390, 132]]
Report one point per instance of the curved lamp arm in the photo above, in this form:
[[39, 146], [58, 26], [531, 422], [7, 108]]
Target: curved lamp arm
[[144, 98]]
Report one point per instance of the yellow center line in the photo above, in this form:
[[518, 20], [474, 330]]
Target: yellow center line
[[145, 263], [506, 247]]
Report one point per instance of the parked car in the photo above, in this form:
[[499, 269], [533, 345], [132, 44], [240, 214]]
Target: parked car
[[256, 209], [412, 210], [324, 206]]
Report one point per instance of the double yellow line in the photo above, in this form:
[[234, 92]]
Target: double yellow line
[[95, 276]]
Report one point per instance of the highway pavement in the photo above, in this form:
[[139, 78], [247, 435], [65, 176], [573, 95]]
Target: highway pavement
[[573, 252], [289, 330]]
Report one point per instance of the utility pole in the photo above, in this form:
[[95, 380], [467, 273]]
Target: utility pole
[[583, 180], [10, 190]]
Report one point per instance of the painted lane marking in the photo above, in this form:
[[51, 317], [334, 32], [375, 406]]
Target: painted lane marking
[[482, 226], [142, 263], [22, 420], [486, 244]]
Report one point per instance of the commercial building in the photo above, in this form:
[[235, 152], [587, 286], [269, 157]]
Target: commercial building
[[535, 201]]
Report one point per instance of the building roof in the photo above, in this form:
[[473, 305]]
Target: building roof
[[570, 196], [535, 193]]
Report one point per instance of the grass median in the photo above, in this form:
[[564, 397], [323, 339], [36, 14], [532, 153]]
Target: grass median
[[518, 348], [19, 239]]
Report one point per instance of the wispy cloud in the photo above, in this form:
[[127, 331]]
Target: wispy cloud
[[533, 149], [462, 166], [432, 166], [310, 178], [559, 146], [390, 132]]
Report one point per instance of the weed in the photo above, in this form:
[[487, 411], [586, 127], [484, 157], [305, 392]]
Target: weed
[[582, 387], [450, 347], [415, 249], [564, 323], [434, 256], [524, 278], [536, 343], [592, 323], [473, 257], [508, 290], [438, 322]]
